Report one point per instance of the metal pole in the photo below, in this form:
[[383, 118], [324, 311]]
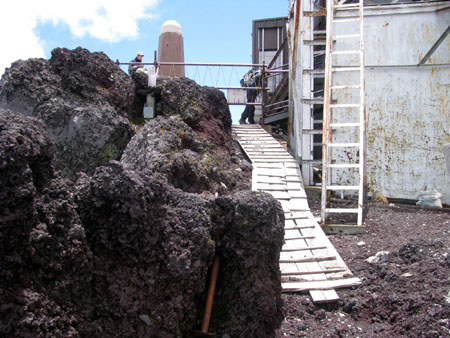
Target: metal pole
[[326, 131], [362, 130], [264, 93]]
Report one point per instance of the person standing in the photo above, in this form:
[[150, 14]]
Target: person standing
[[132, 68], [251, 79]]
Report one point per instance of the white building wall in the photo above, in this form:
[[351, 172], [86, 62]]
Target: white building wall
[[408, 111], [407, 107]]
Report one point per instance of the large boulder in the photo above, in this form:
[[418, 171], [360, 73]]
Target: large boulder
[[93, 77], [248, 229], [44, 265], [83, 99], [204, 109], [171, 148], [125, 248], [153, 242], [152, 249]]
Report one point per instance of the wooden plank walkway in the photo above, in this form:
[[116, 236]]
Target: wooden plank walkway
[[308, 260]]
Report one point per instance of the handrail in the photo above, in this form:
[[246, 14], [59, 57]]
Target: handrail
[[193, 64], [277, 53]]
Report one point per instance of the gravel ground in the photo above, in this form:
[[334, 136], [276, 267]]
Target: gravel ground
[[405, 294]]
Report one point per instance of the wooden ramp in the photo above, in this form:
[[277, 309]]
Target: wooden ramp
[[308, 261]]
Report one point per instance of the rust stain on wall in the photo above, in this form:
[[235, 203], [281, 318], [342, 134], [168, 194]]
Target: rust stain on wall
[[297, 23]]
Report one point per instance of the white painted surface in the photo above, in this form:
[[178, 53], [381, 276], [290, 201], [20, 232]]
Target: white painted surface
[[171, 26], [407, 108]]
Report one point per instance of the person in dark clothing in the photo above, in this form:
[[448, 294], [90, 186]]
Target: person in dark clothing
[[249, 111], [251, 79], [133, 68]]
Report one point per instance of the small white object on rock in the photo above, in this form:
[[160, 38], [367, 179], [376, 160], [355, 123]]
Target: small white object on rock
[[362, 243], [375, 259]]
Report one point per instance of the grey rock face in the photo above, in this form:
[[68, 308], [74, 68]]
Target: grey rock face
[[82, 98]]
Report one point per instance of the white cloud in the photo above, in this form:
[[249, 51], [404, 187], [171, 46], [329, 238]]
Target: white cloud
[[108, 20]]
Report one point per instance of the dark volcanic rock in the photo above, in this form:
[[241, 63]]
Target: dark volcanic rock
[[151, 249], [249, 232], [170, 147], [93, 77], [43, 250], [82, 98], [204, 109], [125, 251], [153, 242]]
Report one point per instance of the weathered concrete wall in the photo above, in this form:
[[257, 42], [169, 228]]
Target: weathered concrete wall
[[407, 107]]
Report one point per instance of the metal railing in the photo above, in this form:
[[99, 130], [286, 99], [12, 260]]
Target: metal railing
[[225, 76]]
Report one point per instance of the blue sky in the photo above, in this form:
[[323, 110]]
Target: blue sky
[[213, 30]]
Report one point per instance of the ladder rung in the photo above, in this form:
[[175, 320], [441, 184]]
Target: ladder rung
[[314, 13], [313, 71], [320, 32], [346, 87], [344, 165], [344, 145], [345, 105], [312, 131], [340, 52], [315, 42], [347, 69], [342, 187], [345, 20], [344, 124], [346, 36], [347, 6], [342, 211], [318, 100]]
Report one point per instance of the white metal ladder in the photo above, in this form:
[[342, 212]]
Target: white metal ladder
[[344, 131]]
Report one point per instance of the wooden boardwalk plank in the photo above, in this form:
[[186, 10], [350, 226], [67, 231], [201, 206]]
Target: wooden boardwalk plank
[[308, 260]]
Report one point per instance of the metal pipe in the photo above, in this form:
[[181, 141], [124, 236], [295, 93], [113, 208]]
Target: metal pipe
[[244, 88], [438, 65], [245, 104], [278, 71], [280, 102], [196, 64]]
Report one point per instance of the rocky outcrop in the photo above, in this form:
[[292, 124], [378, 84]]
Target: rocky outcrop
[[83, 99], [151, 248], [44, 256], [124, 249], [171, 148], [248, 229], [204, 109]]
